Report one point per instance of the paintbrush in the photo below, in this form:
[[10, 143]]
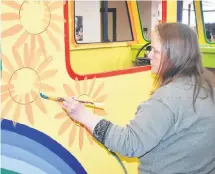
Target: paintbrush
[[88, 104]]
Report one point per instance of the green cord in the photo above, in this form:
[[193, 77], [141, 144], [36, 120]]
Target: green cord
[[118, 159]]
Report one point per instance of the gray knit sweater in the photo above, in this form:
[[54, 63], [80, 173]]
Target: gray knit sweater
[[167, 135]]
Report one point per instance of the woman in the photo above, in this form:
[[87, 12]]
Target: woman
[[172, 132]]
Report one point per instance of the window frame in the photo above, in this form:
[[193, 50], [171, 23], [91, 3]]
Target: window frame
[[203, 25], [70, 45]]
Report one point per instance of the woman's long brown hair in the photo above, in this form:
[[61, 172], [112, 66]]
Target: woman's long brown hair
[[181, 57]]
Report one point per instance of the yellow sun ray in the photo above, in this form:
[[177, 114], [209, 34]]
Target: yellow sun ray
[[92, 86], [11, 4], [26, 56], [5, 76], [85, 85], [7, 64], [5, 88], [60, 115], [16, 114], [21, 40], [58, 18], [56, 5], [77, 86], [98, 90], [43, 65], [42, 45], [64, 126], [68, 90], [45, 87], [12, 30], [38, 102], [17, 57], [33, 45], [101, 98], [72, 135], [53, 39], [28, 109], [9, 16], [55, 28], [47, 74], [81, 137]]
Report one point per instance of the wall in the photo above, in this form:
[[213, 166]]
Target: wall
[[90, 10], [123, 25], [145, 14]]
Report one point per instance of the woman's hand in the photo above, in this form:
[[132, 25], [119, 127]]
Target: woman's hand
[[78, 112]]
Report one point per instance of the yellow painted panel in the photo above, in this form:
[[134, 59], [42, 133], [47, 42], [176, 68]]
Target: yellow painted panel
[[171, 11], [101, 60], [200, 25], [34, 61]]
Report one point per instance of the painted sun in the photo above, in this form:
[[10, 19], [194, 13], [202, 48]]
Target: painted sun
[[82, 92], [22, 80], [34, 19]]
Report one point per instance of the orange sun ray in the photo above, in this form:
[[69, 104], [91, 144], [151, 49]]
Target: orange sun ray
[[12, 30], [60, 115], [43, 65], [85, 85], [72, 135], [11, 4], [9, 16], [36, 59], [5, 76], [21, 40], [100, 112], [42, 45], [56, 5], [33, 45], [101, 98], [26, 56], [68, 90], [98, 90], [16, 114], [77, 86], [28, 109], [81, 137], [17, 57], [45, 87], [47, 74], [58, 18], [64, 126], [38, 102], [7, 64], [5, 88], [53, 39], [55, 28], [6, 95], [6, 108], [89, 136], [92, 86]]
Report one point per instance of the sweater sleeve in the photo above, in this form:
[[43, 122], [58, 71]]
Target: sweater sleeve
[[152, 121]]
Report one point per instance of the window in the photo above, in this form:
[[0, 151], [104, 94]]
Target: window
[[188, 15], [102, 21], [208, 9], [150, 14]]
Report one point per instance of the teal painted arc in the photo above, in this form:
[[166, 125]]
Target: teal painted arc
[[5, 171]]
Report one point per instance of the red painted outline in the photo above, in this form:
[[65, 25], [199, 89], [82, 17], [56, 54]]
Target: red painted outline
[[70, 71], [164, 10]]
